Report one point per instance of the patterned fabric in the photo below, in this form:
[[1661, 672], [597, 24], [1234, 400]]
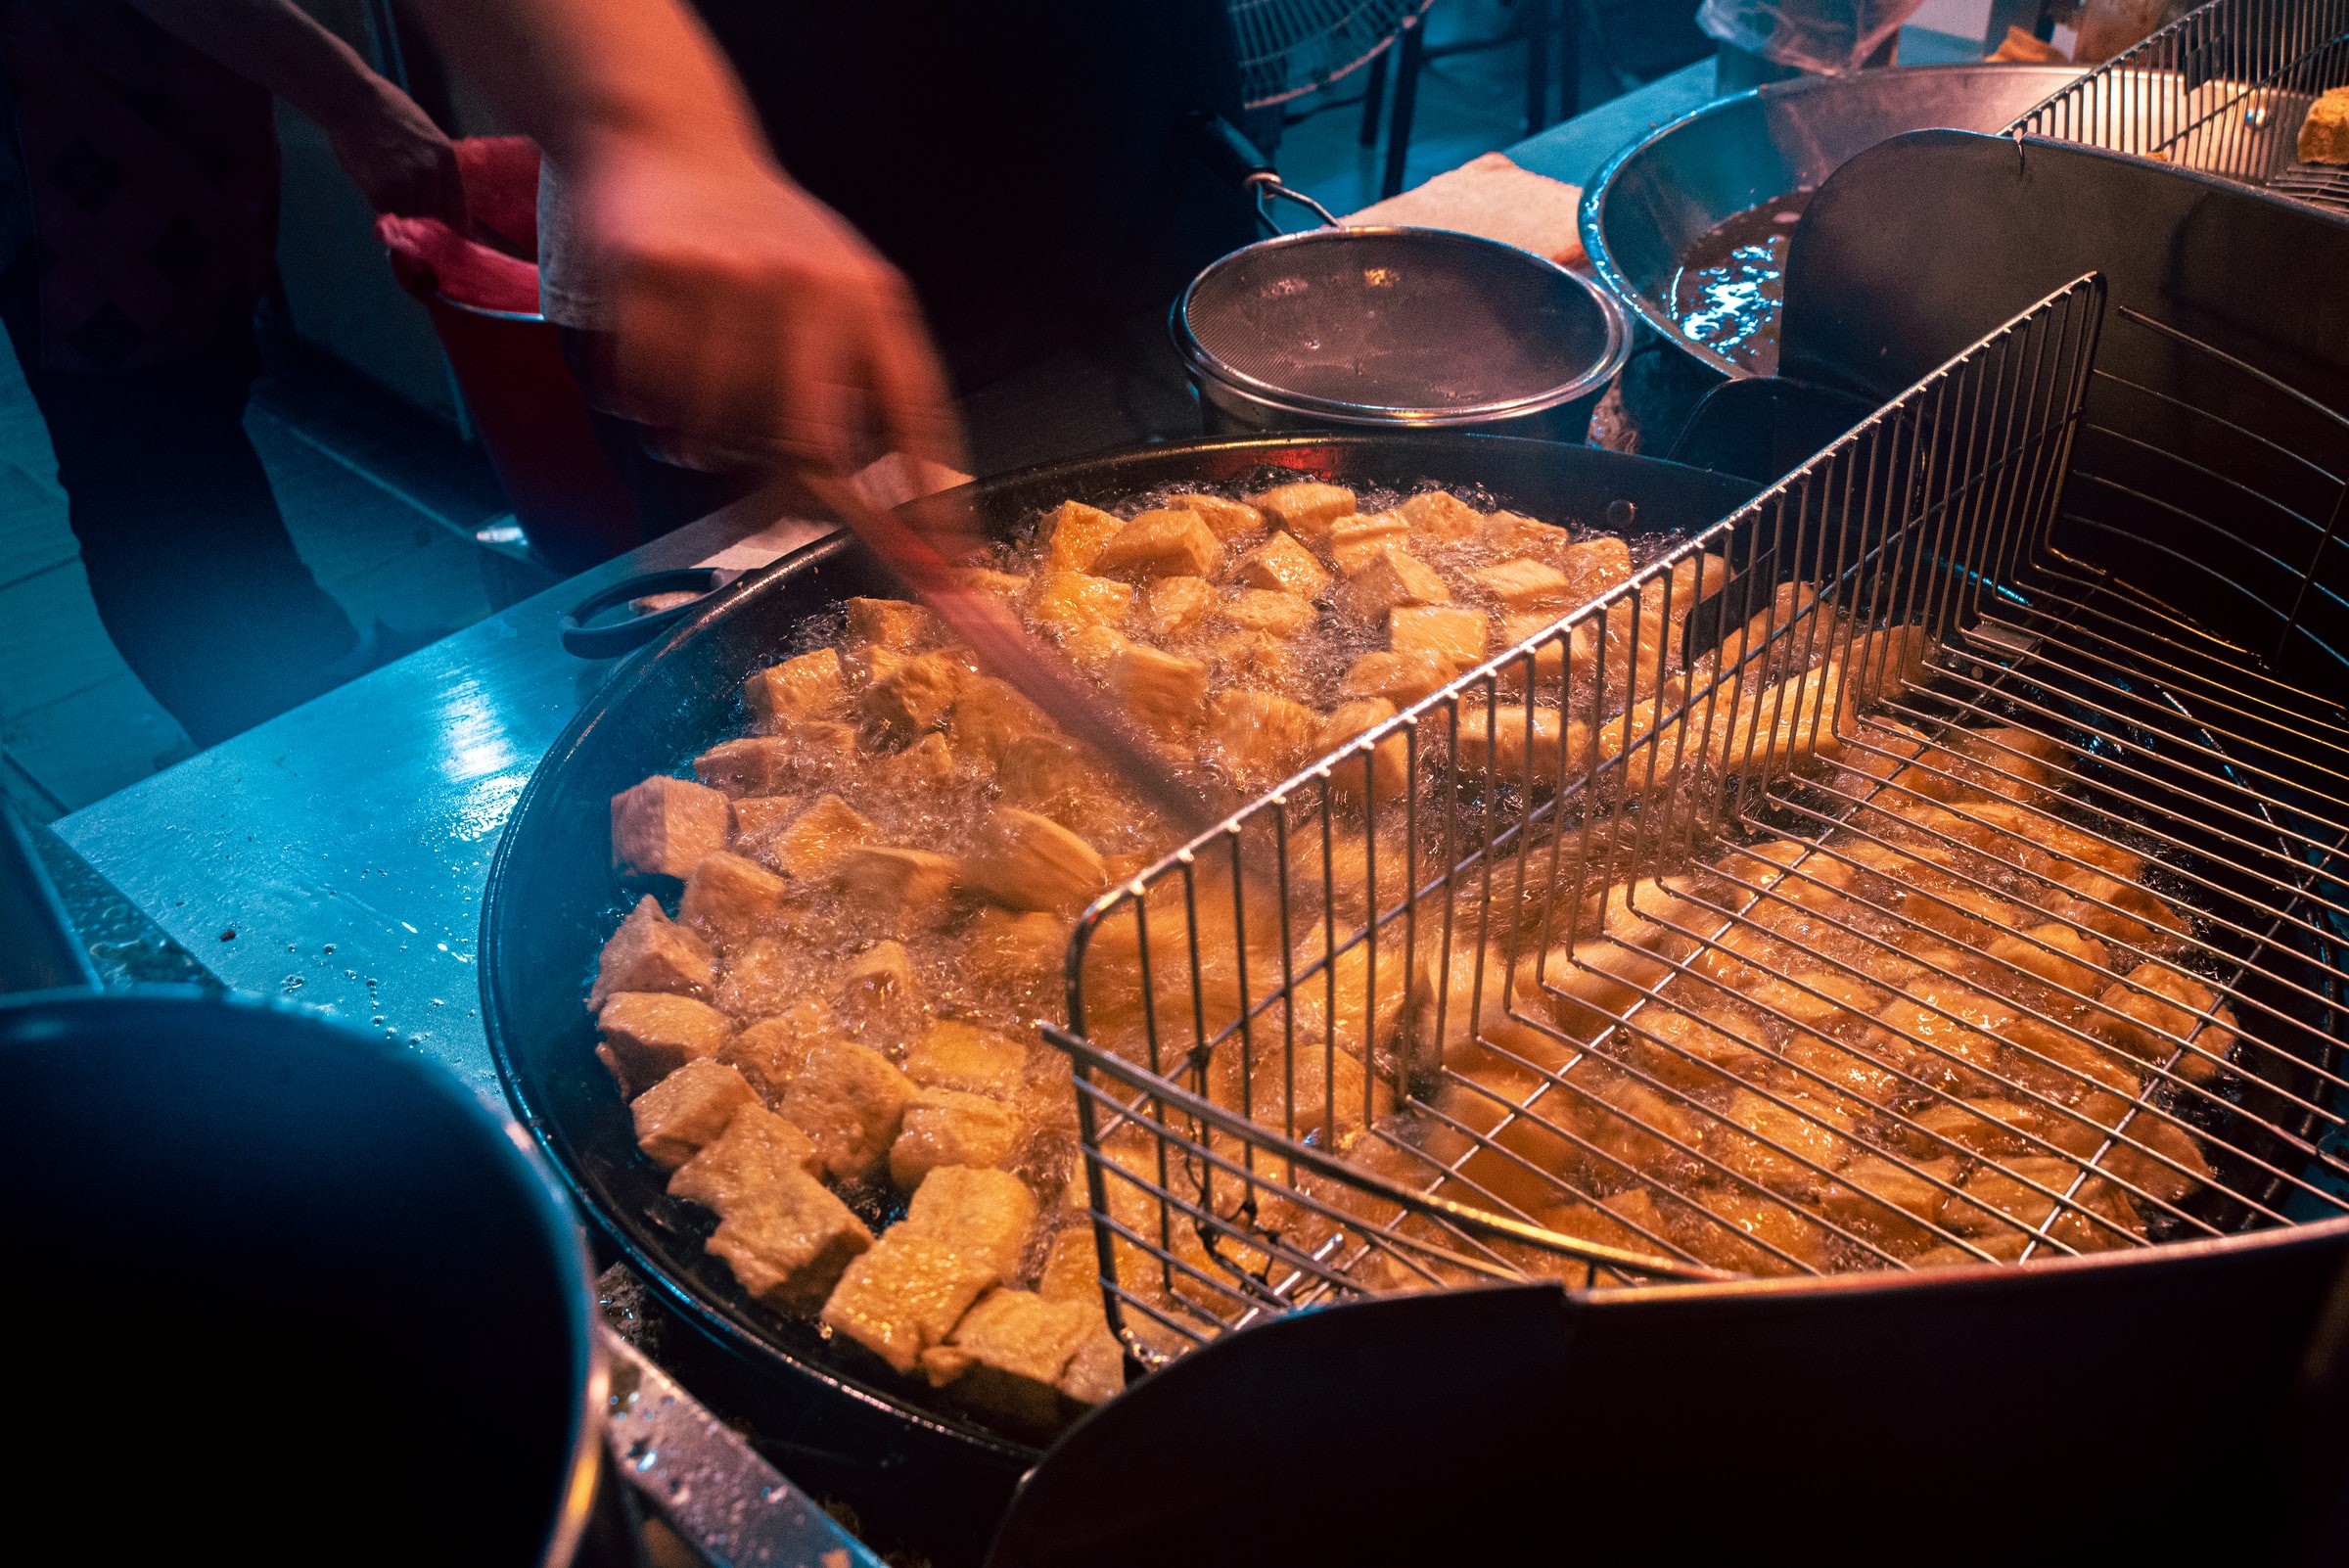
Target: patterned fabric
[[153, 180]]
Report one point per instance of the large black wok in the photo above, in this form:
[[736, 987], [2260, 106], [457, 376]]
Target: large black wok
[[553, 898]]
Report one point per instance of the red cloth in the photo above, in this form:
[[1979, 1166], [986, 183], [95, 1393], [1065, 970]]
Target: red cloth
[[488, 271]]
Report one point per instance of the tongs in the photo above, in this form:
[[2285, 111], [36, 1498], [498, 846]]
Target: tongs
[[1007, 649]]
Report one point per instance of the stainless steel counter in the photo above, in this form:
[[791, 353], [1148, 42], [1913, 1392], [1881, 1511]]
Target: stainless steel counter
[[334, 855]]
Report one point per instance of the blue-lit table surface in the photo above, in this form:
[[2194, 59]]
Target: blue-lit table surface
[[1576, 150], [346, 842]]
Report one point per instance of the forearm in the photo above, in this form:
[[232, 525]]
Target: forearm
[[274, 44], [580, 75]]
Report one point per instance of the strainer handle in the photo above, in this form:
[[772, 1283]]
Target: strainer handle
[[1231, 157]]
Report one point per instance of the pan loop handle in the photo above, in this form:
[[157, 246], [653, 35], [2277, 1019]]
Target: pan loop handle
[[1232, 158]]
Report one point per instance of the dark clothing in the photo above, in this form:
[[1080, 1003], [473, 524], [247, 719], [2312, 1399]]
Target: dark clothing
[[1019, 159], [189, 560], [146, 176]]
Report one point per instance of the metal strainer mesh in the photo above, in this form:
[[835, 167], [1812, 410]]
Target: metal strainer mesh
[[1395, 322]]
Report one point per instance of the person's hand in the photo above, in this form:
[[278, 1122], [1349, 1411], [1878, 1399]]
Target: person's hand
[[745, 323], [396, 155]]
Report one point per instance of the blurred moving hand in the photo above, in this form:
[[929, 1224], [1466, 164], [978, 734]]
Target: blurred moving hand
[[743, 321], [390, 148]]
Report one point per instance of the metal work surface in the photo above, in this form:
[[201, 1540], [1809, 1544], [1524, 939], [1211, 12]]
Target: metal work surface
[[334, 855]]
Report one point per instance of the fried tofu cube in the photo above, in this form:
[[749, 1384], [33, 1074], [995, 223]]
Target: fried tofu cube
[[1456, 634], [1258, 737], [1524, 585], [1390, 580], [1280, 565], [1400, 678], [985, 580], [897, 888], [1049, 773], [1306, 509], [1521, 535], [1096, 1373], [1266, 611], [1073, 1263], [1384, 774], [1173, 606], [1075, 533], [806, 687], [1008, 1356], [1806, 1133], [989, 716], [881, 976], [1166, 692], [946, 1127], [819, 837], [757, 1150], [1015, 950], [1595, 565], [1090, 647], [751, 766], [1554, 657], [2057, 955], [850, 1101], [1510, 741], [688, 1108], [982, 1212], [917, 695], [1069, 600], [892, 624], [903, 1296], [770, 1053], [758, 818], [789, 1244], [1030, 861], [1232, 520], [648, 952], [1355, 541], [2154, 1010], [648, 1035], [926, 765], [663, 826], [765, 975], [1168, 543], [955, 1055], [727, 899], [1442, 518]]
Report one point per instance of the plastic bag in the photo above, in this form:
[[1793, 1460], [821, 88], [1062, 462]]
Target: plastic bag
[[1829, 36]]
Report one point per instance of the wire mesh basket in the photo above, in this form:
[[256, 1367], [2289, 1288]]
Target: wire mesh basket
[[2222, 91], [1884, 877]]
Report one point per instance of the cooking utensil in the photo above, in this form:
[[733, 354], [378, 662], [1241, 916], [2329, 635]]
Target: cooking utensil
[[1389, 328], [1660, 195], [552, 899]]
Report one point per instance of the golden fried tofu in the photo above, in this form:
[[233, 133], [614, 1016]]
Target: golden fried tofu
[[1096, 1373], [648, 952], [764, 974], [881, 976], [1999, 1206], [1029, 861], [1008, 1356], [2171, 1166], [1173, 606], [1519, 744], [1453, 632], [1090, 647], [999, 584], [806, 687], [1374, 779], [1358, 540], [1595, 565], [2057, 955], [688, 1108], [1071, 1269], [917, 694], [1232, 520], [2157, 1009], [868, 664], [816, 839], [1818, 999], [1268, 611], [955, 1055], [758, 818], [1949, 1028], [1749, 1215], [899, 889], [983, 1214], [663, 826], [1306, 509], [648, 1035], [1553, 657], [1168, 543], [988, 715], [926, 765], [1075, 533], [1167, 693], [1886, 662], [1053, 775], [903, 1296], [757, 1150], [1069, 601], [892, 624], [769, 1053], [728, 899], [1258, 737], [789, 1243], [1390, 581], [1524, 585], [1697, 1052], [1441, 517], [948, 1126], [1015, 950], [1807, 1140], [1400, 678], [761, 766], [850, 1101], [1280, 565]]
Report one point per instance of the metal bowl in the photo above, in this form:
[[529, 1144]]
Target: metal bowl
[[1659, 195]]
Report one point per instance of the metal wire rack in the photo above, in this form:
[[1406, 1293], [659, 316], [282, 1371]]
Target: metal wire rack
[[1878, 879], [2222, 91]]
